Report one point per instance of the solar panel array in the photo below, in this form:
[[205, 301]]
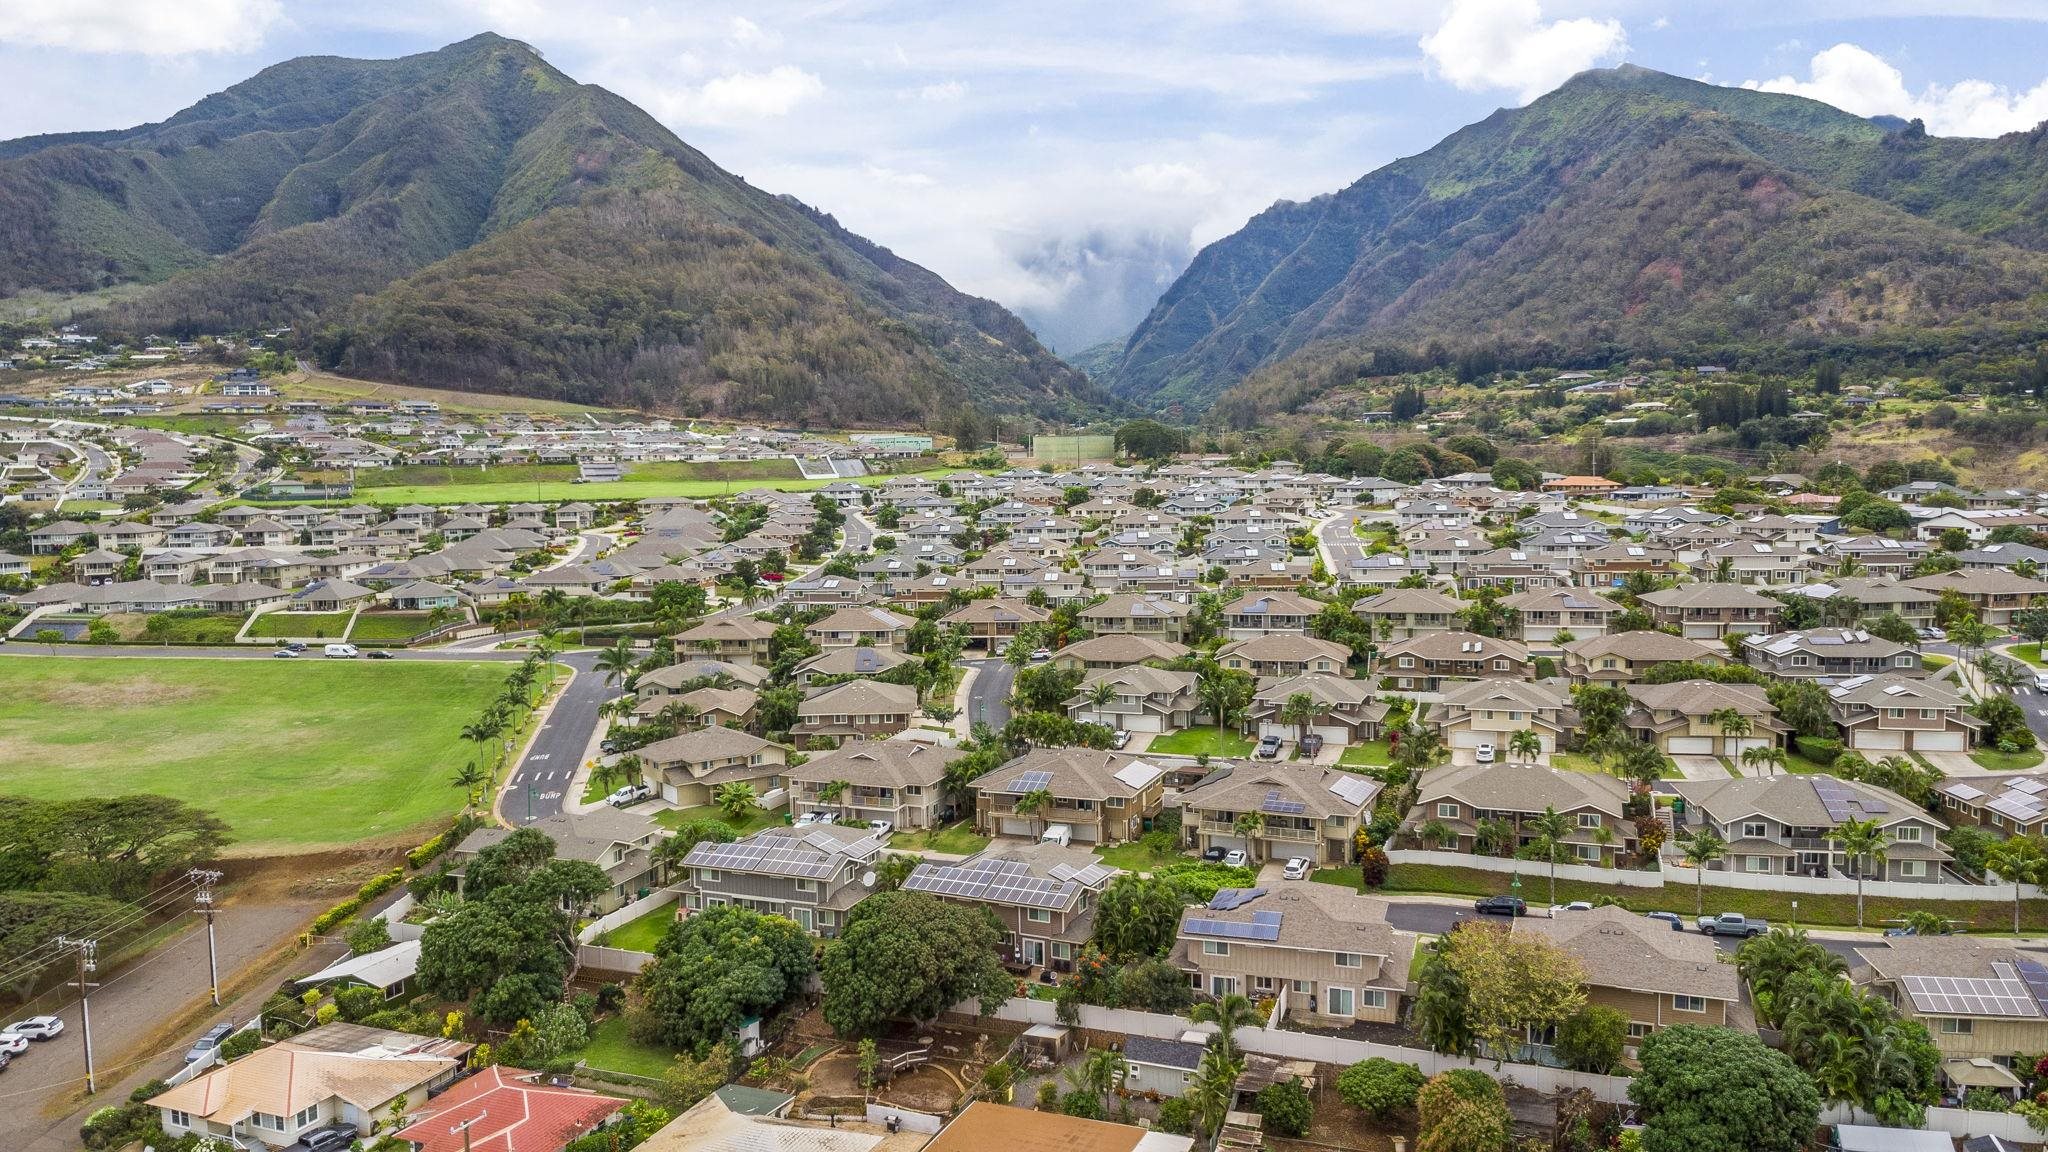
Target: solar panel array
[[764, 856], [1352, 789], [2004, 995], [1262, 926], [1030, 782], [1280, 805], [1088, 877], [998, 881], [1842, 803], [1137, 774], [1228, 898]]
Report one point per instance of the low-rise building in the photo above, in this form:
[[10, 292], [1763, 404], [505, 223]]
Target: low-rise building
[[2015, 803], [1405, 613], [1327, 955], [1136, 698], [1703, 718], [1430, 661], [1302, 811], [812, 875], [1637, 966], [1043, 894], [901, 781], [1550, 618], [991, 624], [736, 639], [1785, 826], [688, 768], [1885, 714], [1711, 611], [1097, 797], [858, 626], [854, 710], [1117, 650], [1342, 711], [1486, 809], [1829, 655], [1488, 713], [1623, 657], [1981, 1000], [1283, 654], [1264, 613]]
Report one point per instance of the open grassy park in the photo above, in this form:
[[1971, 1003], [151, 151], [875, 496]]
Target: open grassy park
[[548, 484], [294, 755]]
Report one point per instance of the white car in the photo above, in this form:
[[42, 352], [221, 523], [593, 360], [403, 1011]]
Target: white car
[[1297, 868], [1236, 859], [1483, 753], [12, 1045], [36, 1027], [881, 827], [2041, 681], [1041, 655], [1574, 906], [630, 794], [813, 817]]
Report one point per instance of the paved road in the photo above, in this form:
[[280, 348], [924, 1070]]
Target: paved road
[[127, 1009], [2031, 700], [988, 698], [1341, 548], [543, 775], [1436, 918]]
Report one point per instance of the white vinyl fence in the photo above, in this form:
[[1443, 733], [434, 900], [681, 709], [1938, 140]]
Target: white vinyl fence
[[1958, 1122], [1678, 876], [612, 959], [626, 914], [1530, 870]]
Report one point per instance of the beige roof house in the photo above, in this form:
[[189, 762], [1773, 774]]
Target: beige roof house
[[1622, 657], [1328, 954], [1655, 977], [1284, 654], [1305, 811]]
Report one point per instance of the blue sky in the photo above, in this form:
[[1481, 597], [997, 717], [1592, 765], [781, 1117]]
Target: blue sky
[[1064, 157]]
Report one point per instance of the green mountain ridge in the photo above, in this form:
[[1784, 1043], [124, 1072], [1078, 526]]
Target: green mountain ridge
[[473, 218], [1628, 212]]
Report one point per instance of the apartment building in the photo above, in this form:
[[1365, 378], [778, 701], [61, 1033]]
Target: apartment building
[[1264, 613], [1302, 811], [1096, 797], [1623, 657], [901, 781], [1429, 662], [811, 875], [1043, 894], [1283, 654], [1160, 617], [1327, 955], [1829, 655], [1784, 826], [1465, 808], [1711, 611], [1886, 714]]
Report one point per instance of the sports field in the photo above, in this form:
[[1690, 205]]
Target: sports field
[[295, 755]]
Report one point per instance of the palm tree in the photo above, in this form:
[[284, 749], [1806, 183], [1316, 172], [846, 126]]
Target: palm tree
[[737, 799], [2027, 567], [834, 792], [616, 662], [1299, 710], [469, 778], [894, 869], [1099, 697], [1099, 1073], [1767, 757], [1862, 840], [2018, 860], [1229, 1012], [1212, 1091], [1551, 827], [1249, 825], [1034, 801], [1525, 745], [1702, 846], [1734, 725]]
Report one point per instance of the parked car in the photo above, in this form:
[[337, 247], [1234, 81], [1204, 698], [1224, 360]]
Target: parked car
[[1483, 753], [298, 648], [1297, 868], [378, 654], [816, 816], [1933, 634], [5, 1059], [1500, 906], [1214, 854], [1311, 744], [608, 747], [1040, 655], [1236, 858], [1574, 906], [629, 794], [284, 654], [1269, 748], [1672, 918], [1732, 924], [341, 652], [37, 1027], [208, 1042], [2041, 681], [1120, 739], [881, 827], [328, 1139], [12, 1045]]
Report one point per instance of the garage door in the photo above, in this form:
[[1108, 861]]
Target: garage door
[[1227, 843], [1938, 741], [1087, 833], [1276, 730], [1466, 738], [1881, 740], [1692, 746], [1332, 734], [1015, 827]]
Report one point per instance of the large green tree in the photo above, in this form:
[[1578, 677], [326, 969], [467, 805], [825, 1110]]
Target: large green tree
[[910, 956], [510, 946], [1720, 1090], [1137, 917], [716, 969]]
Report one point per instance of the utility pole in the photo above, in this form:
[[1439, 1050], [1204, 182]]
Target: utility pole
[[464, 1128], [88, 951], [206, 880]]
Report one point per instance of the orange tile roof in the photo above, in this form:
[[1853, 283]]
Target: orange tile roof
[[509, 1115]]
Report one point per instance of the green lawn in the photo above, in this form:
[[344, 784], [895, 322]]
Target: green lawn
[[307, 625], [761, 818], [1800, 765], [388, 625], [1935, 661], [1370, 754], [294, 755], [1575, 762], [1199, 742], [1135, 857], [959, 839], [1836, 911], [2030, 652], [642, 933], [179, 627], [1998, 761], [611, 1049]]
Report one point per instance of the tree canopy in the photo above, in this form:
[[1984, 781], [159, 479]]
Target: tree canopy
[[910, 956], [510, 946], [1720, 1090], [716, 969]]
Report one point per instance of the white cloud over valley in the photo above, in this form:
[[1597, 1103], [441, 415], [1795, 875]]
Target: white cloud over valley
[[1486, 44], [1857, 80]]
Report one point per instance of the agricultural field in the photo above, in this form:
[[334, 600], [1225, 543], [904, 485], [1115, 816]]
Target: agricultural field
[[294, 755]]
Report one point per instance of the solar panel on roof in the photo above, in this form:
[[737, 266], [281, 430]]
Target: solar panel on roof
[[1280, 805], [2028, 786], [1228, 898], [1353, 789], [1030, 782]]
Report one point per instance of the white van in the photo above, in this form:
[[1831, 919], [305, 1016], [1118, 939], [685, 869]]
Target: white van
[[342, 652]]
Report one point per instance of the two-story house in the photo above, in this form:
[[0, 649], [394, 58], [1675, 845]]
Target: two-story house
[[860, 626], [1139, 698], [1043, 894], [2014, 803], [1711, 611], [1490, 712], [1463, 808], [619, 842], [1117, 650], [1328, 956], [854, 710], [1284, 654], [1995, 594], [1623, 657], [1137, 614], [1784, 826], [1428, 662], [1637, 966], [1263, 613], [1981, 1001], [858, 661], [1703, 718], [991, 624], [1303, 811], [811, 875], [1550, 618], [901, 781], [1881, 715], [1829, 654], [689, 767], [1097, 797], [1751, 561], [737, 639], [1610, 565], [1342, 711], [1405, 613]]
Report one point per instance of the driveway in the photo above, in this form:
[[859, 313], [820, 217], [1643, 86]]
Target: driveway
[[1956, 764], [1701, 767]]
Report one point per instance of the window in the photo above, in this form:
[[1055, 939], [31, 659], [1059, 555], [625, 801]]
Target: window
[[1914, 868], [1340, 1002], [1215, 948], [1589, 819], [1895, 713], [1637, 1030], [1799, 661], [1755, 830], [180, 1119], [1348, 960], [1588, 851], [1955, 1026], [1407, 662], [1756, 863], [1038, 915], [1906, 834], [1688, 1003], [1903, 661], [1373, 998], [1927, 713], [1500, 665], [1447, 811], [306, 1115], [266, 1120], [1301, 987], [708, 876]]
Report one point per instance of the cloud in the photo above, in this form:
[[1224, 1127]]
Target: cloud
[[942, 93], [1858, 80], [1485, 44], [744, 33], [741, 96], [182, 28]]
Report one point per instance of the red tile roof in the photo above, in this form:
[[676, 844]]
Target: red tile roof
[[510, 1115]]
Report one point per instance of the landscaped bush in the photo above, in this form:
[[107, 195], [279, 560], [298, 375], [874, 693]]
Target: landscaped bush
[[336, 916], [1818, 749], [240, 1044], [1284, 1108], [380, 884], [1380, 1086]]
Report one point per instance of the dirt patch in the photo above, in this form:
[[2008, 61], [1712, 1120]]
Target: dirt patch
[[125, 693], [313, 876]]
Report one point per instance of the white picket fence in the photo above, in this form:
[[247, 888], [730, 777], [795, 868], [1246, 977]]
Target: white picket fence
[[1676, 875], [612, 959], [1959, 1122], [626, 913]]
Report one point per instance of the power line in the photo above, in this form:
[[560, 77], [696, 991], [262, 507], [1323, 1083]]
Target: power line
[[88, 963], [25, 965], [155, 898]]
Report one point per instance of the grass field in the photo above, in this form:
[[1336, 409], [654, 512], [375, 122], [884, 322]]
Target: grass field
[[1135, 857], [179, 628], [441, 476], [388, 625], [611, 1049], [959, 839], [642, 933], [294, 755], [317, 625], [1200, 741], [2031, 653], [761, 818], [1371, 753]]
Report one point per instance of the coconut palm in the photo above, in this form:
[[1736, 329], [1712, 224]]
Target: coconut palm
[[1734, 725], [1702, 846], [1763, 761], [736, 799], [1099, 697], [616, 662], [469, 778], [1525, 745], [1860, 841], [2018, 860], [1249, 825], [1034, 801], [1229, 1012], [1551, 827], [893, 870], [1099, 1074], [834, 792], [1300, 710], [1212, 1090]]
